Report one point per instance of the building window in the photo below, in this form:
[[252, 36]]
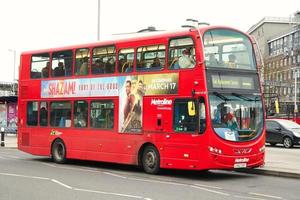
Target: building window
[[32, 113], [102, 114]]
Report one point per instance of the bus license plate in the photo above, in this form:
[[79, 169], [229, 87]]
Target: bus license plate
[[240, 165]]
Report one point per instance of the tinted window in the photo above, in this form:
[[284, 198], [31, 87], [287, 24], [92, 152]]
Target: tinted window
[[181, 53], [62, 63], [43, 114], [60, 115], [183, 122], [80, 113], [272, 125], [40, 65], [125, 60], [32, 113], [102, 114], [104, 59], [82, 62], [151, 58]]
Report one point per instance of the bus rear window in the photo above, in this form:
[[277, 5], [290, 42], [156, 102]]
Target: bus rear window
[[40, 66]]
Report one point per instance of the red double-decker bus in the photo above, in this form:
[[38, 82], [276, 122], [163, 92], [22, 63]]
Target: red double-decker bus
[[160, 100]]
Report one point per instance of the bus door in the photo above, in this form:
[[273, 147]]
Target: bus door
[[185, 141]]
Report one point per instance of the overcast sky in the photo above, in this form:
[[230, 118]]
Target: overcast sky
[[38, 24]]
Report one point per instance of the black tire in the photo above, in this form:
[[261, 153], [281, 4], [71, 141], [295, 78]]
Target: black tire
[[287, 142], [58, 151], [151, 160]]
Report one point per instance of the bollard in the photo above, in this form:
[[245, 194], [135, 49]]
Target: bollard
[[2, 137]]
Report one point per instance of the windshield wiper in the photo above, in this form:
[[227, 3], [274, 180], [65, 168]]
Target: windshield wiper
[[221, 96], [242, 97]]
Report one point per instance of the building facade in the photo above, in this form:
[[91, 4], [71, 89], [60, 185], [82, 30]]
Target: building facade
[[279, 42]]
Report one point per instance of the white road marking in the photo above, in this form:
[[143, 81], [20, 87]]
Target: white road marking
[[24, 176], [76, 189], [155, 181], [109, 193], [209, 186], [62, 184], [13, 157], [116, 175], [265, 195], [210, 190], [3, 158], [244, 197], [49, 165]]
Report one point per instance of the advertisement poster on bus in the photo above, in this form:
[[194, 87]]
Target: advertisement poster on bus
[[132, 90]]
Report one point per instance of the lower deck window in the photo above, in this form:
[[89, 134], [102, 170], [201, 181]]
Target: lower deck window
[[60, 114], [102, 114]]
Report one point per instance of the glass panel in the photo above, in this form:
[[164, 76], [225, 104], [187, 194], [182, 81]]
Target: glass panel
[[228, 49], [104, 59], [40, 66], [151, 58], [182, 121], [80, 113], [102, 114], [82, 62], [181, 53], [43, 114], [236, 117], [32, 113], [60, 115], [125, 60], [62, 63]]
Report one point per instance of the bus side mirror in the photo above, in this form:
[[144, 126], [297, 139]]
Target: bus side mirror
[[191, 108]]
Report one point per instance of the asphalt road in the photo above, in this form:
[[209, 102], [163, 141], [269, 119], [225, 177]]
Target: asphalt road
[[27, 177]]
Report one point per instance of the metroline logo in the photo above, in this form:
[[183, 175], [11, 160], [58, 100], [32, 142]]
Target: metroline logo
[[161, 102]]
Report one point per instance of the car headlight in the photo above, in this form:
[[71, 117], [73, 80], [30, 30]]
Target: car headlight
[[297, 134]]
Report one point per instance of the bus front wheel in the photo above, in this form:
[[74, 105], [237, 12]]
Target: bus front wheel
[[151, 160], [58, 151]]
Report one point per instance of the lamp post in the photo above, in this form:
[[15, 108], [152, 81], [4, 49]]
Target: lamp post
[[14, 74], [98, 22], [295, 97]]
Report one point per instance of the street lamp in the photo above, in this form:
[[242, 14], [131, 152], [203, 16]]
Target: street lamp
[[14, 74], [98, 20]]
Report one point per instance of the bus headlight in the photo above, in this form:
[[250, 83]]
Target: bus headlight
[[262, 149]]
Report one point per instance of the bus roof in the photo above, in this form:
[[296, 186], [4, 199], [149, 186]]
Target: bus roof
[[124, 38]]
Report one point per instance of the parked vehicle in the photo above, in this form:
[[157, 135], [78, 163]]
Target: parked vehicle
[[282, 131]]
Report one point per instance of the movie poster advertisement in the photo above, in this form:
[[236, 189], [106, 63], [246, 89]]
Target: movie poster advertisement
[[3, 115], [132, 90], [12, 116]]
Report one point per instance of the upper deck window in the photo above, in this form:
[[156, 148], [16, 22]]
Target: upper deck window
[[228, 49], [104, 59], [82, 63], [125, 60], [40, 64], [62, 63], [181, 53], [151, 58]]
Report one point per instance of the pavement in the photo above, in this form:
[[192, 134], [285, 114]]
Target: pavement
[[279, 161]]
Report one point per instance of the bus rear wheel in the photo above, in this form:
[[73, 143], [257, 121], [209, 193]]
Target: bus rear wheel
[[151, 160], [58, 151]]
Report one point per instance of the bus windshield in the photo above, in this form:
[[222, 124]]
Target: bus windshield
[[228, 49], [236, 117]]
